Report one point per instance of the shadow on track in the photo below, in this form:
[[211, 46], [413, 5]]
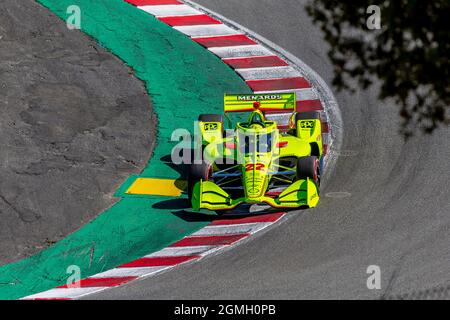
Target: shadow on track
[[182, 208]]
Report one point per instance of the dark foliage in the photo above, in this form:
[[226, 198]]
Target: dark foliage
[[409, 54]]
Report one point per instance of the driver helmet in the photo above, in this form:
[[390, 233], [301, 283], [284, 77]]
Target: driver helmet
[[256, 121]]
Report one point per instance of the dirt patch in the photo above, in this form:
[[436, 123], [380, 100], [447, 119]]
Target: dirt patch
[[75, 124]]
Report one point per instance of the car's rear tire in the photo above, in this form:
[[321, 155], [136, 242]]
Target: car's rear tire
[[308, 167], [198, 172], [309, 115], [213, 118]]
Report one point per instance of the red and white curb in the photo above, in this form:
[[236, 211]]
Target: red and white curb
[[218, 235], [262, 69]]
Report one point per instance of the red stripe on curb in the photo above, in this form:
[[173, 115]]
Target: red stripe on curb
[[255, 62], [209, 240], [309, 105], [325, 149], [224, 41], [325, 127], [152, 2], [157, 261], [251, 219], [278, 84], [200, 19], [100, 282]]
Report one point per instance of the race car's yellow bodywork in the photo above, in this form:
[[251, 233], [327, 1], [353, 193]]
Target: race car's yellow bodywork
[[256, 158]]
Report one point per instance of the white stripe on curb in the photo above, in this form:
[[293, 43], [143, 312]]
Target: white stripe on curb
[[231, 229], [67, 293], [184, 251], [207, 30], [170, 10], [240, 51], [301, 94], [131, 272], [268, 73]]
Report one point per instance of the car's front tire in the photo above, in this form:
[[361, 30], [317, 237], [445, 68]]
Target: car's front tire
[[198, 172], [308, 167]]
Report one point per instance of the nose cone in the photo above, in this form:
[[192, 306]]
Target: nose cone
[[255, 181]]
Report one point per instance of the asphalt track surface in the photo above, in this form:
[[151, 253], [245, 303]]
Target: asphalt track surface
[[69, 111], [385, 204]]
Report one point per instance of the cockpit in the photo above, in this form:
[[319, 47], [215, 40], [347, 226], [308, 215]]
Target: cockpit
[[256, 135], [256, 143]]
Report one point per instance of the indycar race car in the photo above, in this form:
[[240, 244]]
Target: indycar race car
[[261, 160]]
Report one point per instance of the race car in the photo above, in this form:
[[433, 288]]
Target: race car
[[262, 160]]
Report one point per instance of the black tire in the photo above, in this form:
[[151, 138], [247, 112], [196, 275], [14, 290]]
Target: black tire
[[197, 172], [308, 167], [307, 115], [315, 150], [212, 118]]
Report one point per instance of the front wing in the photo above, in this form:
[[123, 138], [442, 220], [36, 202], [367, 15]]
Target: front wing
[[207, 195]]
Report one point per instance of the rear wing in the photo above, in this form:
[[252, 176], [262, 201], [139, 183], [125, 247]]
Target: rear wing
[[269, 102]]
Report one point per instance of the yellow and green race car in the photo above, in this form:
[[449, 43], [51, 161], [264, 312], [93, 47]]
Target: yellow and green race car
[[259, 161]]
